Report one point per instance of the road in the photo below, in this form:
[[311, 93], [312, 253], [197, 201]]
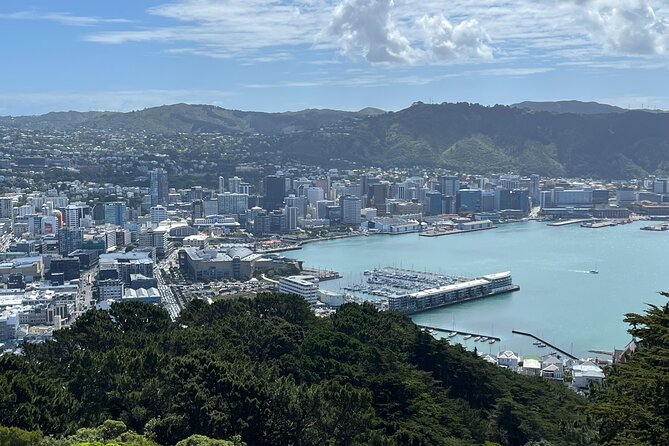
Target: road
[[169, 300]]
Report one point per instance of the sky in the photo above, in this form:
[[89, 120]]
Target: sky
[[279, 55]]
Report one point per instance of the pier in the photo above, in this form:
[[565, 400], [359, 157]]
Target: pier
[[322, 274], [571, 222], [460, 333], [548, 344]]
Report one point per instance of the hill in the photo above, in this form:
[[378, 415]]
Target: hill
[[577, 107], [462, 137]]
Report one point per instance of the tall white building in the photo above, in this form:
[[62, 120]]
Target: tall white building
[[291, 218], [234, 184], [315, 194], [221, 184]]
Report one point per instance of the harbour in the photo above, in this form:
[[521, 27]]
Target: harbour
[[559, 296]]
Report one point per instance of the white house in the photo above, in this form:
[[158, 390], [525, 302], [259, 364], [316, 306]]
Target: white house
[[585, 373], [508, 359]]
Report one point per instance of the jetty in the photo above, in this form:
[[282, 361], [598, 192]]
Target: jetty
[[460, 333], [322, 274], [548, 344], [574, 221]]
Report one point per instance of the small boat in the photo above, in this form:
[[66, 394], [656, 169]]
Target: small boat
[[491, 341], [478, 338], [536, 343], [467, 337], [541, 345], [484, 338], [594, 271], [452, 334]]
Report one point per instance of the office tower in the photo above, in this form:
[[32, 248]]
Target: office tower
[[275, 191], [232, 203], [159, 187], [70, 239], [221, 184], [350, 210], [291, 218], [450, 184], [73, 214], [233, 184], [6, 207], [535, 188], [115, 213], [315, 194]]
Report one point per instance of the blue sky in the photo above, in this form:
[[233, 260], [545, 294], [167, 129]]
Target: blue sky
[[282, 55]]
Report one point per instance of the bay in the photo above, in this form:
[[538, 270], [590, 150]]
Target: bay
[[559, 300]]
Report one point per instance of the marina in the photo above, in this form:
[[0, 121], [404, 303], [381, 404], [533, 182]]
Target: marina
[[410, 291], [552, 265], [466, 335]]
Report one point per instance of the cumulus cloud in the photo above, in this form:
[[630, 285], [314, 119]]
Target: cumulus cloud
[[366, 26], [466, 40], [627, 26]]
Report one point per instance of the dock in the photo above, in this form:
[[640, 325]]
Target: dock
[[322, 274], [548, 344], [599, 224], [574, 221], [460, 333]]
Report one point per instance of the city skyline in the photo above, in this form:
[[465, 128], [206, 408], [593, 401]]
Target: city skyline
[[343, 54]]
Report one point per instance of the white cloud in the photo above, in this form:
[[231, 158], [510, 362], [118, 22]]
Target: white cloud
[[627, 26], [466, 40], [366, 26], [61, 17]]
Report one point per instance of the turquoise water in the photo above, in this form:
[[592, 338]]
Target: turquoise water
[[559, 300]]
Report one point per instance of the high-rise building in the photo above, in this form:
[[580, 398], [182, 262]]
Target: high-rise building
[[350, 210], [70, 239], [291, 218], [73, 214], [535, 188], [115, 213], [450, 184], [232, 203], [469, 200], [6, 207], [315, 194], [159, 186], [275, 191], [233, 184], [221, 184]]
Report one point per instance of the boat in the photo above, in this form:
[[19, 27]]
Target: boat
[[467, 337], [484, 338], [594, 271], [541, 345], [536, 343], [452, 334], [491, 341], [478, 338]]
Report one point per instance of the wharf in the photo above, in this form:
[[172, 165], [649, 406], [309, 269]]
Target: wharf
[[570, 222], [548, 344], [599, 224], [657, 228], [322, 274], [439, 233], [460, 333]]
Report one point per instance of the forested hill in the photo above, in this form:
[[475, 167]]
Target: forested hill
[[462, 137], [268, 370]]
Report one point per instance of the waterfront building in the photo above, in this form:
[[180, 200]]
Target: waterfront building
[[303, 285], [515, 199], [291, 218], [351, 207], [468, 200], [237, 263]]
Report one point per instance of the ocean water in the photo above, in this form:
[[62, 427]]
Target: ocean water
[[559, 300]]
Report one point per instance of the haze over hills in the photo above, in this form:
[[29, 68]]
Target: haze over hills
[[464, 137]]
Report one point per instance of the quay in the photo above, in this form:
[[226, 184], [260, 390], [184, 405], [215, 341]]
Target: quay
[[548, 344], [321, 274], [440, 232], [460, 333], [599, 224], [570, 222]]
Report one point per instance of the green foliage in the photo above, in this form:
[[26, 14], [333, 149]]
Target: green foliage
[[13, 436], [268, 371], [633, 404]]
